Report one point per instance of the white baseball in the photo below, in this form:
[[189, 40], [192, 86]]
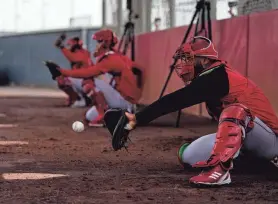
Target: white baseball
[[78, 126]]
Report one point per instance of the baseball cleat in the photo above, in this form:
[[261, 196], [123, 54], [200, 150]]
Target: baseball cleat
[[97, 122], [217, 176], [79, 104]]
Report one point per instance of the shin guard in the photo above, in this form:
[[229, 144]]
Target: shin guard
[[65, 85], [234, 122], [96, 96], [100, 103]]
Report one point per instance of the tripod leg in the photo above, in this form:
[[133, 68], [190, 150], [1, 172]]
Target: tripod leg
[[209, 21], [196, 28], [198, 7], [203, 25], [132, 44], [131, 39], [167, 81], [126, 43], [178, 119], [122, 39]]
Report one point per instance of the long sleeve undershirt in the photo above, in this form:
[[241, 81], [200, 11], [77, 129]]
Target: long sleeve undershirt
[[211, 86]]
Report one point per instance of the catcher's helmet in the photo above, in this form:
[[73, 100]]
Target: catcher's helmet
[[107, 39]]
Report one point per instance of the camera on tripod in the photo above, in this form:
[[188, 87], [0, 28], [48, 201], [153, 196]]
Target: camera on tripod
[[232, 4], [127, 39], [129, 8], [128, 35]]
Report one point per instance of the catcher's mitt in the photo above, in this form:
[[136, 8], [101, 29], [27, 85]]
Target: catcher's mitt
[[59, 41], [116, 122], [53, 68]]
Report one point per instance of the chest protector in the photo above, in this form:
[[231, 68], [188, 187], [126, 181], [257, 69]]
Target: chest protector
[[247, 93], [127, 81]]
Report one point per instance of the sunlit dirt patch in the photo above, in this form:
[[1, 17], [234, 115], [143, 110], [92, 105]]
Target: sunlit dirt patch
[[30, 176], [14, 143], [8, 125]]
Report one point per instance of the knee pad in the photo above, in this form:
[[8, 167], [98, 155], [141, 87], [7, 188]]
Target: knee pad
[[63, 82], [95, 95], [238, 114], [234, 122], [90, 114], [100, 102], [65, 85], [88, 86], [180, 151]]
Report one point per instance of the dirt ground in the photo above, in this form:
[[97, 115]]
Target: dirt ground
[[148, 173]]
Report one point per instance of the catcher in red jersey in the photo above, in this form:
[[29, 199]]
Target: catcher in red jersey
[[124, 88], [246, 119], [78, 58]]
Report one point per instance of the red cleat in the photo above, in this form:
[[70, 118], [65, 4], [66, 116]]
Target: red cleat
[[214, 177], [98, 122]]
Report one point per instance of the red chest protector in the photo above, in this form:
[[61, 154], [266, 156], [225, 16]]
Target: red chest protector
[[244, 91]]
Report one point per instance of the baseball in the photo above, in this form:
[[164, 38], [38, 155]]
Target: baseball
[[78, 126]]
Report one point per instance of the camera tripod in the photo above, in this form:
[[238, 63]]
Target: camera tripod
[[128, 35], [202, 8]]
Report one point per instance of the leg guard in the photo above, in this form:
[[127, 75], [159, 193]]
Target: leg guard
[[65, 85], [97, 97], [101, 107], [234, 122], [88, 85], [100, 102]]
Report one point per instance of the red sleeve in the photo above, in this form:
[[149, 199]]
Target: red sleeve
[[111, 63], [86, 72], [72, 56], [88, 56]]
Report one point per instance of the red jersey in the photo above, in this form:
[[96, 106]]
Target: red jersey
[[80, 58], [218, 86], [120, 67], [244, 91]]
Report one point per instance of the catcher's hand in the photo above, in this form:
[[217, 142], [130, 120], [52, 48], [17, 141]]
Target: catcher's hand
[[60, 40], [119, 123], [53, 68]]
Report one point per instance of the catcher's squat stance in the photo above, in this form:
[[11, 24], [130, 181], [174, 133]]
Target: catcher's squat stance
[[78, 58], [123, 91], [247, 119]]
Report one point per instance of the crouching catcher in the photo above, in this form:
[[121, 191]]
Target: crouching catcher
[[78, 58], [124, 87], [246, 120]]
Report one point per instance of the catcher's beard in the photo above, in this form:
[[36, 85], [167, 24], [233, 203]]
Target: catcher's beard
[[198, 67], [186, 78], [185, 72]]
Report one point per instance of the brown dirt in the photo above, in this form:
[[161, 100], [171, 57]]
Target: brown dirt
[[148, 173]]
